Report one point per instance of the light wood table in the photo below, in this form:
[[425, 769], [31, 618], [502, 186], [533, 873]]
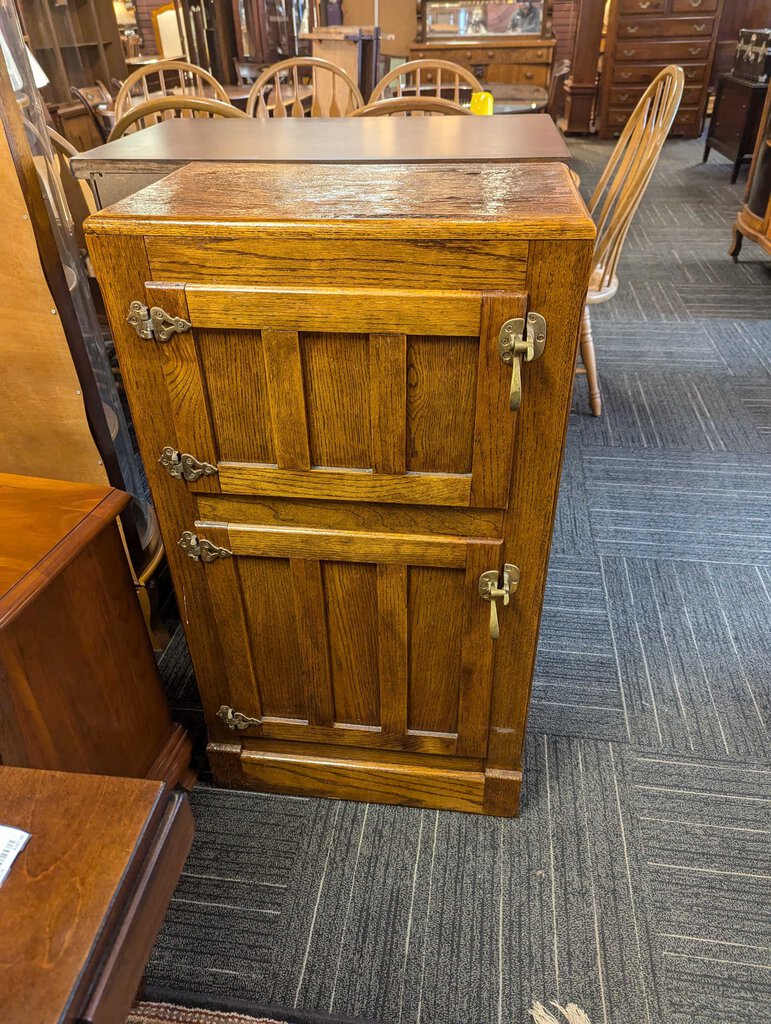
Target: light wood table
[[120, 168], [85, 898]]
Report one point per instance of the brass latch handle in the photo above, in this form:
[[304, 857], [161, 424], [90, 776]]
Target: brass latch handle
[[518, 339], [489, 590]]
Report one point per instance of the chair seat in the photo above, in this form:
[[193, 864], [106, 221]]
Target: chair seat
[[599, 292]]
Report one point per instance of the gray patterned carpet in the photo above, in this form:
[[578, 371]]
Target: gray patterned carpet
[[637, 880]]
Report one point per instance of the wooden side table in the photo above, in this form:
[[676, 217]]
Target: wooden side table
[[79, 684], [735, 119], [84, 900]]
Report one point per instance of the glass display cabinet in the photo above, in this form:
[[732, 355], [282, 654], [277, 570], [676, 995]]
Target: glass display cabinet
[[502, 42]]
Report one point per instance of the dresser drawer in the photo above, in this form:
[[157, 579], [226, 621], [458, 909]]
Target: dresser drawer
[[655, 28], [518, 74], [694, 6], [628, 97], [685, 118], [469, 58], [662, 51], [642, 74], [642, 6], [521, 55]]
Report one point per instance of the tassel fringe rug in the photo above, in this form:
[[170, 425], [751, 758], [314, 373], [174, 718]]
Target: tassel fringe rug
[[570, 1014], [165, 1013]]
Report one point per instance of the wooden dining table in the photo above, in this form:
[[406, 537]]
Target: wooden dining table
[[121, 168]]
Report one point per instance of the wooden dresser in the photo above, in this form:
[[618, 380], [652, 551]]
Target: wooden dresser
[[643, 37], [79, 684], [524, 61], [320, 361]]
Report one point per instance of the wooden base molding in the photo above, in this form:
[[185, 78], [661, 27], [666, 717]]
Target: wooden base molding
[[358, 777]]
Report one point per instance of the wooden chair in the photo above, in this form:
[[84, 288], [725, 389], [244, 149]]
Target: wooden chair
[[280, 90], [425, 78], [247, 72], [175, 78], [168, 107], [95, 99], [617, 196], [411, 106]]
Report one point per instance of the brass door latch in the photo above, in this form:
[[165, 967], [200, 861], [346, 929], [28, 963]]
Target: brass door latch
[[201, 550], [184, 466], [518, 339], [489, 590]]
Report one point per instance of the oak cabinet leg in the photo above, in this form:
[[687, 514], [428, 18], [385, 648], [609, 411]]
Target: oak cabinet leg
[[590, 364]]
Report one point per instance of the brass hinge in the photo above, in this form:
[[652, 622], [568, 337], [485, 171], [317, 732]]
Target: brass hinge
[[235, 720], [202, 550], [489, 590], [155, 323], [184, 466], [521, 339]]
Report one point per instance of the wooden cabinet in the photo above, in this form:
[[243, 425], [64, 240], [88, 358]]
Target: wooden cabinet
[[643, 37], [754, 218], [79, 685], [360, 476], [733, 127], [492, 38]]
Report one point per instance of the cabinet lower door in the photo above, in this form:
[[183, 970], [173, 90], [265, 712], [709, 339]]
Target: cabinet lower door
[[370, 640]]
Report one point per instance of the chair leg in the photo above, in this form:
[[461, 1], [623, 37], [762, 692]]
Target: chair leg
[[590, 364]]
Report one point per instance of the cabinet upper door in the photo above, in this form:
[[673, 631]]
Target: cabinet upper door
[[375, 395]]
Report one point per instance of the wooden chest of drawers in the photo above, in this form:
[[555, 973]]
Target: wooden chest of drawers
[[511, 61], [342, 479], [643, 37]]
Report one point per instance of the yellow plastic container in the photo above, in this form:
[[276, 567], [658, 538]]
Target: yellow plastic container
[[481, 103]]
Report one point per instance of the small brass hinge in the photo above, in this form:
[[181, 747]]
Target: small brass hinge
[[491, 587], [235, 720], [155, 323], [202, 550], [184, 466], [520, 339]]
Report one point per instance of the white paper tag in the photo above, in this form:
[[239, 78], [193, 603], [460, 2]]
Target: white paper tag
[[12, 842]]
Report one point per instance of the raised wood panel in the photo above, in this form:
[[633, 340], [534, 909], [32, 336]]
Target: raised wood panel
[[440, 420], [336, 385], [436, 602], [233, 366], [335, 309], [351, 599]]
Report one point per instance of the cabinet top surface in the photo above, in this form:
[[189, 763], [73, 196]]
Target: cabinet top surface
[[377, 200], [38, 520], [85, 831]]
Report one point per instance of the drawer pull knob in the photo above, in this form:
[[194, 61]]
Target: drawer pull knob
[[694, 50], [629, 53], [700, 28], [489, 590], [633, 28], [644, 4], [696, 3], [623, 96], [528, 75], [626, 75], [519, 340]]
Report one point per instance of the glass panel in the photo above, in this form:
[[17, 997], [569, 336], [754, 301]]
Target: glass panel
[[501, 18]]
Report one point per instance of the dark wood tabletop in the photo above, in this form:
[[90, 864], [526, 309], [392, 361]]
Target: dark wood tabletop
[[174, 143], [84, 900]]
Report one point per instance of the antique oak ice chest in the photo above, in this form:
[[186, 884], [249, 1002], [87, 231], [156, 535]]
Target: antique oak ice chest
[[350, 386]]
